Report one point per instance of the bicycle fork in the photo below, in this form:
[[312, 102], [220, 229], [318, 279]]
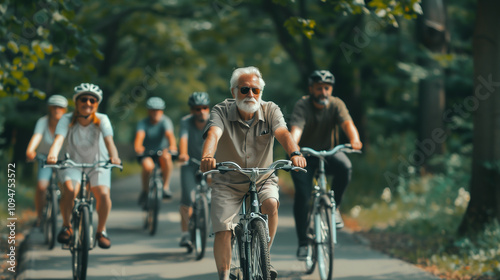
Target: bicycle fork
[[334, 221]]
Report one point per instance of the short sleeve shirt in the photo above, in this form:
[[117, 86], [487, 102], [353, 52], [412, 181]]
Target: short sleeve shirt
[[193, 134], [247, 145], [81, 140], [318, 125], [42, 127], [155, 133]]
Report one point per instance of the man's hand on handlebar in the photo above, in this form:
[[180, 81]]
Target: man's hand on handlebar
[[115, 160], [183, 158], [299, 161], [207, 164], [356, 144], [140, 150], [51, 159]]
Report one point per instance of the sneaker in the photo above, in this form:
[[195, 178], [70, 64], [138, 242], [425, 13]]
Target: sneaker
[[142, 198], [302, 252], [338, 219], [103, 240], [65, 235], [167, 194], [273, 272], [185, 241]]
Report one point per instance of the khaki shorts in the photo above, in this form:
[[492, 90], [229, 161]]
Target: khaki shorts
[[228, 197]]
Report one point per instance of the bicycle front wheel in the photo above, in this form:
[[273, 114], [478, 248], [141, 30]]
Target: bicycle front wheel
[[200, 230], [51, 217], [324, 240], [260, 262], [154, 200], [81, 246]]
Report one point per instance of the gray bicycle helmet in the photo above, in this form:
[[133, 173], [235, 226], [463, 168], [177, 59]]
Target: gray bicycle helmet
[[199, 99], [57, 100], [88, 89], [155, 103], [321, 76]]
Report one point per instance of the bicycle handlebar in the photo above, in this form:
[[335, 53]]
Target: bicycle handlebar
[[226, 166], [195, 161], [68, 163], [346, 148], [159, 153]]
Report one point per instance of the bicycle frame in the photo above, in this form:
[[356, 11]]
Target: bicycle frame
[[321, 219], [84, 199], [319, 190], [247, 217], [253, 213], [83, 228]]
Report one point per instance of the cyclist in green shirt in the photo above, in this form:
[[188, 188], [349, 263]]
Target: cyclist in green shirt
[[313, 124]]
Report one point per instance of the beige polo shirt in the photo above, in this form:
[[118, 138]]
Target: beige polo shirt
[[249, 145]]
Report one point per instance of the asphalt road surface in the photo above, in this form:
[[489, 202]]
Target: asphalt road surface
[[137, 255]]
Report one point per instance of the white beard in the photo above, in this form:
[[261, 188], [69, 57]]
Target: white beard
[[247, 107]]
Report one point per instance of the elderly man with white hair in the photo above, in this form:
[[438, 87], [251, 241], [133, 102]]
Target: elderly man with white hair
[[244, 128]]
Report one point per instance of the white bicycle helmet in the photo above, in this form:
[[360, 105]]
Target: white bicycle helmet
[[57, 100], [87, 88], [155, 103]]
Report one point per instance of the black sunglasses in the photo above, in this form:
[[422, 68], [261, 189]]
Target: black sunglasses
[[85, 99], [246, 90]]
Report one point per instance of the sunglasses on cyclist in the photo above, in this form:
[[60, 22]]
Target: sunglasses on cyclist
[[246, 90], [199, 109], [85, 99]]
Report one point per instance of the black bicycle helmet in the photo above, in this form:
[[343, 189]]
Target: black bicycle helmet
[[321, 76], [199, 99]]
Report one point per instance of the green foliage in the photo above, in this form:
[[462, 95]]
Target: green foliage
[[32, 32], [386, 10], [296, 25], [472, 257]]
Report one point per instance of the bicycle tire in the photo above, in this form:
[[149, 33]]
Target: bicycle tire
[[81, 246], [200, 230], [312, 257], [154, 207], [237, 251], [325, 248], [51, 219], [260, 262]]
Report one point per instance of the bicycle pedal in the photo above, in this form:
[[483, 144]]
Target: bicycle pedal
[[236, 274]]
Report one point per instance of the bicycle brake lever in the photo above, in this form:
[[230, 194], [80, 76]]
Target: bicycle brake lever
[[223, 169]]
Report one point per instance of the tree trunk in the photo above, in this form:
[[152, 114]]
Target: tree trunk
[[432, 35], [484, 205]]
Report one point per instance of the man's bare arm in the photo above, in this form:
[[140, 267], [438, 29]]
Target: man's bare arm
[[209, 148], [352, 133]]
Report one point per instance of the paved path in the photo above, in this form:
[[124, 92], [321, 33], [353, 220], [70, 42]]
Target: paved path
[[136, 255]]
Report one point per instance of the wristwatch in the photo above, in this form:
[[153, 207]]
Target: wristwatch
[[296, 153]]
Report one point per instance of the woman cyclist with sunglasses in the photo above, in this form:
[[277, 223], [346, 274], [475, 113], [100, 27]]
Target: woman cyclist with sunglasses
[[89, 138]]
